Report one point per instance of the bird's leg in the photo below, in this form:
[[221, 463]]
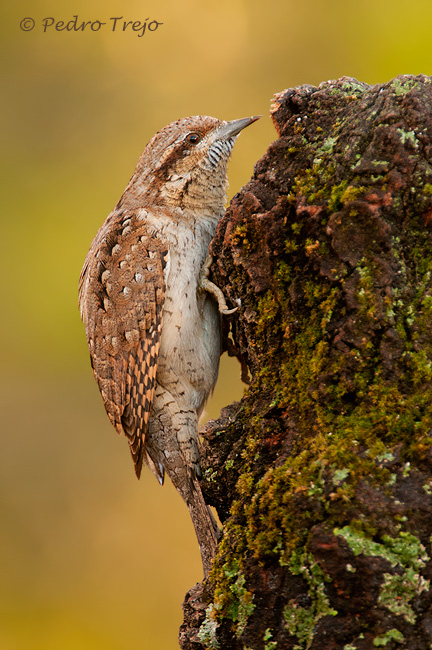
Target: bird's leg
[[210, 287]]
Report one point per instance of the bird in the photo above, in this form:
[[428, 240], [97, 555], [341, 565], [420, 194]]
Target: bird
[[152, 317]]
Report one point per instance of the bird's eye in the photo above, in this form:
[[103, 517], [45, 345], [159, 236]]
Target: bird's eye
[[193, 138]]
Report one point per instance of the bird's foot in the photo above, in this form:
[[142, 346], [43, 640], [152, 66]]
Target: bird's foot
[[211, 288]]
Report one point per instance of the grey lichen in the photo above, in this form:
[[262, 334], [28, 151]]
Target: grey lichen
[[335, 272], [300, 620], [388, 637], [208, 630], [407, 555]]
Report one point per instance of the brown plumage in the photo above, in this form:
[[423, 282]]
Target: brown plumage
[[152, 321], [124, 322]]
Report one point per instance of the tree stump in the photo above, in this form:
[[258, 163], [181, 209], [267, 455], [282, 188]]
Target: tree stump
[[322, 474]]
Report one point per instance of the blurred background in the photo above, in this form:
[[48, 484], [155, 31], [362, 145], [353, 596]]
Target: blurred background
[[90, 558]]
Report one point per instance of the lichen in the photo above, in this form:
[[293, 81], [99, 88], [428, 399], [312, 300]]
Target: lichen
[[338, 341], [388, 637], [208, 630], [300, 620], [270, 645], [408, 136], [397, 592], [404, 550], [340, 475], [406, 554], [237, 602], [403, 85]]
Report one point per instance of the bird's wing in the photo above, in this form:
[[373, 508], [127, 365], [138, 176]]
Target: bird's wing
[[121, 296]]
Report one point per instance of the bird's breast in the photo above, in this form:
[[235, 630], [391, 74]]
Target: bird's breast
[[190, 339]]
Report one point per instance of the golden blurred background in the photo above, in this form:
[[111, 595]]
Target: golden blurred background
[[90, 558]]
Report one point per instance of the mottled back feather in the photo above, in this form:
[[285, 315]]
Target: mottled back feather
[[121, 305]]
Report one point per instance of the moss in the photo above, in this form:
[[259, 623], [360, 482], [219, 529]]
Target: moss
[[210, 475], [233, 599], [300, 622], [269, 504], [268, 308], [269, 520], [313, 182], [351, 428], [308, 354], [353, 86], [328, 145], [360, 419], [337, 191], [244, 237]]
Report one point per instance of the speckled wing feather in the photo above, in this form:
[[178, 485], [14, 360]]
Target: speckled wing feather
[[121, 305]]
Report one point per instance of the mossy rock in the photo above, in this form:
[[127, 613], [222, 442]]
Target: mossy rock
[[322, 474]]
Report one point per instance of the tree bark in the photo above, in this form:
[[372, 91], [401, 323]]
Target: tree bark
[[322, 474]]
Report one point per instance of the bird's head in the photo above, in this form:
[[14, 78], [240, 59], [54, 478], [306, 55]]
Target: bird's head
[[185, 164]]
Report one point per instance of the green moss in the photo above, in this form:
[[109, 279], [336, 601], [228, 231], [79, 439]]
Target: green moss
[[271, 522], [244, 238], [312, 183], [233, 598], [268, 308], [337, 192], [300, 622], [350, 421], [350, 428], [384, 416]]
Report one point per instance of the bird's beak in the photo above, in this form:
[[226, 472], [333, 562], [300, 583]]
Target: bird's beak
[[231, 129]]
